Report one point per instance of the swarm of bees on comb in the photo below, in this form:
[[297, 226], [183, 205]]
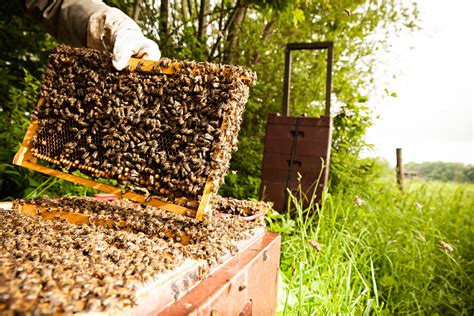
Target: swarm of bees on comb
[[168, 131], [53, 266], [165, 132]]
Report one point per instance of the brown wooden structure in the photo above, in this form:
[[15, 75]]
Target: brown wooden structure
[[400, 173], [245, 285], [297, 148]]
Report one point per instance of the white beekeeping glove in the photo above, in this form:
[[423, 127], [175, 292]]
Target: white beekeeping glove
[[113, 30]]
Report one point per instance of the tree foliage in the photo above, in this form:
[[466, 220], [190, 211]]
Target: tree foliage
[[252, 33], [442, 171], [24, 49]]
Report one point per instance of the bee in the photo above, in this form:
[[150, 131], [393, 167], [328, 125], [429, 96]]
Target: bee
[[148, 198], [447, 247]]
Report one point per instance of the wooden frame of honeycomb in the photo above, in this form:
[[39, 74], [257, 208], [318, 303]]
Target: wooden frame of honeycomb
[[28, 157]]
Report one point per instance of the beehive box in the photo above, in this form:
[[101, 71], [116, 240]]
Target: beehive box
[[74, 255], [164, 131]]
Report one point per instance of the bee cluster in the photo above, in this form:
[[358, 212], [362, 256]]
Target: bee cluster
[[55, 267], [239, 207], [166, 131]]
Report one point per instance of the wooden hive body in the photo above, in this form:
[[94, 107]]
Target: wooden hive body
[[296, 157]]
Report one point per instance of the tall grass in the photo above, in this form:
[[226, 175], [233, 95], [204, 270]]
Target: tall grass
[[382, 256]]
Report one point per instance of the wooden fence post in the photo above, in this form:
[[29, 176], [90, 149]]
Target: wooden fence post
[[399, 169]]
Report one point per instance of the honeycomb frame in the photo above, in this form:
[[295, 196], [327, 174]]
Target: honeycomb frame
[[28, 156]]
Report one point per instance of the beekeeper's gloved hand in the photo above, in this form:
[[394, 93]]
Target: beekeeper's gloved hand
[[112, 30]]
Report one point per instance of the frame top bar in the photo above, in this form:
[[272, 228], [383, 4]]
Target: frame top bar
[[317, 45]]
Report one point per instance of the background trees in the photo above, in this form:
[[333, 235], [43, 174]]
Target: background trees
[[442, 171], [252, 33]]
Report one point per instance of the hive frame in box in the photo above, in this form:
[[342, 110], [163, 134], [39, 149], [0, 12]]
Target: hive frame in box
[[25, 158]]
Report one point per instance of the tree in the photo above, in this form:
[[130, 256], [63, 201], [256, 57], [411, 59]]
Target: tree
[[253, 33], [25, 47], [442, 171]]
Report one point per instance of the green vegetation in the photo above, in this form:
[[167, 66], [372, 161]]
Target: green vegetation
[[442, 171], [252, 33], [380, 252]]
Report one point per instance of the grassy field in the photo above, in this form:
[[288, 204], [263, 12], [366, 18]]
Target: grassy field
[[375, 250]]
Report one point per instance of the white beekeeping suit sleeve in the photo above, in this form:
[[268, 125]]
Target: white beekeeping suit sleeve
[[114, 31], [93, 24]]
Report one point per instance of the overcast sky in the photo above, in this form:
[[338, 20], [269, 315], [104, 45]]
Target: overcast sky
[[431, 118]]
